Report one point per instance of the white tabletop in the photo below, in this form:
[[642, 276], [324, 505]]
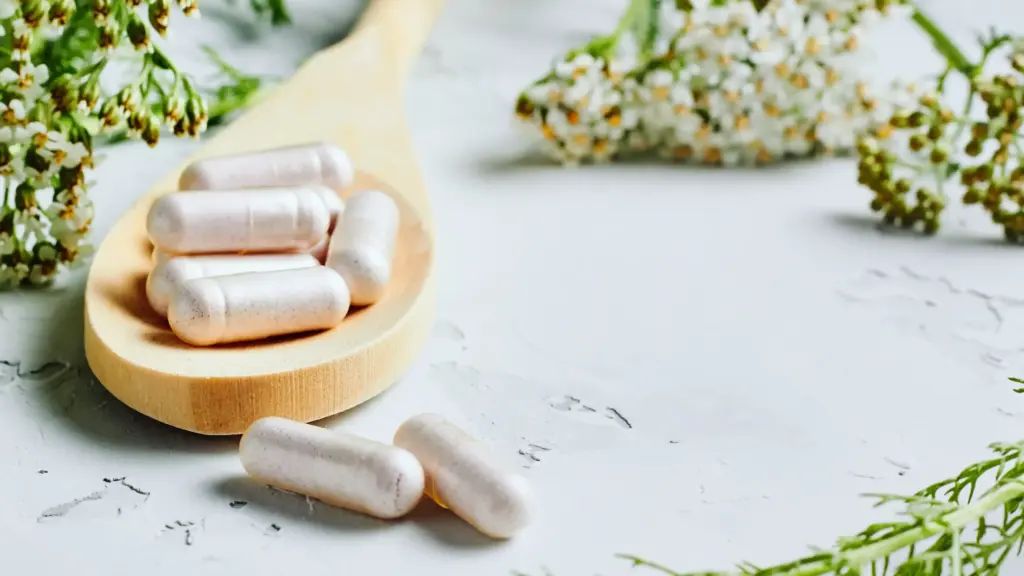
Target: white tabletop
[[695, 366]]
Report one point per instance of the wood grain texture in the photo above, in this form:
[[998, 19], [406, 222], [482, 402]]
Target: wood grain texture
[[349, 94]]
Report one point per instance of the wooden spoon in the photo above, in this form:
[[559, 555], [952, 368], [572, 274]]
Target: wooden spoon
[[351, 95]]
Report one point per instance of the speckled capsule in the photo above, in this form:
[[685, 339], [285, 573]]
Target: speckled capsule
[[465, 477], [331, 199], [314, 163], [255, 305], [229, 221], [340, 469], [168, 276], [363, 245]]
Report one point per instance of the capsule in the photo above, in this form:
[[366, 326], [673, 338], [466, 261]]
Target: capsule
[[228, 221], [167, 277], [363, 245], [315, 163], [254, 305], [340, 469], [464, 476], [335, 205]]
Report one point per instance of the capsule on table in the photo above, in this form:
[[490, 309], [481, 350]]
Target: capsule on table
[[167, 277], [254, 305], [314, 163], [229, 221], [464, 476], [340, 469], [363, 245]]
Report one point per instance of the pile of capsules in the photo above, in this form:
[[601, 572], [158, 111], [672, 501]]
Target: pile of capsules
[[429, 456], [261, 244]]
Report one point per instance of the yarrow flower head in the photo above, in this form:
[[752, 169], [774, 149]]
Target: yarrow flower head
[[723, 83], [51, 107], [924, 149]]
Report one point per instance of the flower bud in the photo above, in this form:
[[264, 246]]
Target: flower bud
[[71, 178], [6, 156], [189, 7], [918, 142], [101, 10], [939, 154], [60, 11], [138, 34], [110, 112], [151, 134], [159, 15], [90, 93], [109, 35], [64, 93], [129, 98], [138, 121], [36, 161], [173, 108], [33, 12], [25, 196]]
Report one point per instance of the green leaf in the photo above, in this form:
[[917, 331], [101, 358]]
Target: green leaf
[[759, 4], [644, 25]]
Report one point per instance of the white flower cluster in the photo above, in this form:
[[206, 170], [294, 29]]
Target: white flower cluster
[[45, 215], [727, 84]]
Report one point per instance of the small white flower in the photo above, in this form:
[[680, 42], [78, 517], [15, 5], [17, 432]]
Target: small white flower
[[7, 9]]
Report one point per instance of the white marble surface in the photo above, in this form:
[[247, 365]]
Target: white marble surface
[[694, 366]]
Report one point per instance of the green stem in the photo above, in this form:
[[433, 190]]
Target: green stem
[[945, 45], [955, 521]]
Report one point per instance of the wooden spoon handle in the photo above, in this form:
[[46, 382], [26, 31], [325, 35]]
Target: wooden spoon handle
[[401, 27]]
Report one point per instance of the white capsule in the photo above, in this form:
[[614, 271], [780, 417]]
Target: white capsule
[[335, 205], [464, 476], [228, 221], [363, 245], [254, 305], [165, 278], [337, 468], [316, 163]]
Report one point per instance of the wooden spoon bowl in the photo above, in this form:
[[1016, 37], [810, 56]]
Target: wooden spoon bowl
[[351, 95]]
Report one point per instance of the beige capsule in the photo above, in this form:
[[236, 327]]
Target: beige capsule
[[340, 469], [228, 221], [363, 245], [335, 205], [465, 477], [255, 305], [168, 276], [299, 165]]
